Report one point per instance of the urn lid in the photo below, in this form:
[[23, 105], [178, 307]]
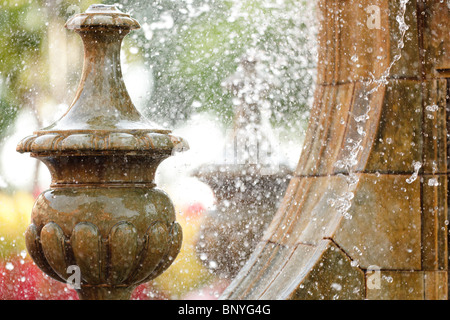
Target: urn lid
[[102, 117], [98, 15]]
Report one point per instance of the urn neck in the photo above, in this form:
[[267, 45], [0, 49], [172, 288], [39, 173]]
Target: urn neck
[[102, 101], [102, 74]]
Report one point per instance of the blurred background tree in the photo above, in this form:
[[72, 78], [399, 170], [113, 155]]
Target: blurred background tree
[[25, 64], [21, 35]]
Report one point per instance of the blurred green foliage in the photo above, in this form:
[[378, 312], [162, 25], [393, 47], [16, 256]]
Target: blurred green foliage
[[20, 37], [23, 59]]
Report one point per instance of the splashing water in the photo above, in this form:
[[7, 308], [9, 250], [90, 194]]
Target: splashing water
[[403, 27], [416, 165], [343, 203], [433, 182]]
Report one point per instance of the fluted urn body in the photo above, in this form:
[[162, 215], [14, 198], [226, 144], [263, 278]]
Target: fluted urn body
[[103, 214]]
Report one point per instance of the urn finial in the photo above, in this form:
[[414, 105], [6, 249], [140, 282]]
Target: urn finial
[[103, 213]]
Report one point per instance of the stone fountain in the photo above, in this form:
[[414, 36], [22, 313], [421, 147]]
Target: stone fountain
[[366, 214], [249, 181], [103, 214]]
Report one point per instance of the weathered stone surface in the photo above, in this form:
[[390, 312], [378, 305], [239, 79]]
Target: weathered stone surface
[[361, 129], [361, 46], [398, 142], [384, 223], [434, 126], [364, 127], [312, 216], [436, 285], [398, 285], [377, 229], [300, 257], [409, 65], [363, 41], [330, 276], [319, 131], [404, 285], [394, 216], [258, 272], [434, 222], [327, 271], [324, 143], [434, 36], [327, 15]]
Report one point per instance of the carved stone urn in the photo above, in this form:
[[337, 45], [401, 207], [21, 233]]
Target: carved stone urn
[[103, 212]]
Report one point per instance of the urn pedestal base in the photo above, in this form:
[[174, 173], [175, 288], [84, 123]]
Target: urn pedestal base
[[105, 293]]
